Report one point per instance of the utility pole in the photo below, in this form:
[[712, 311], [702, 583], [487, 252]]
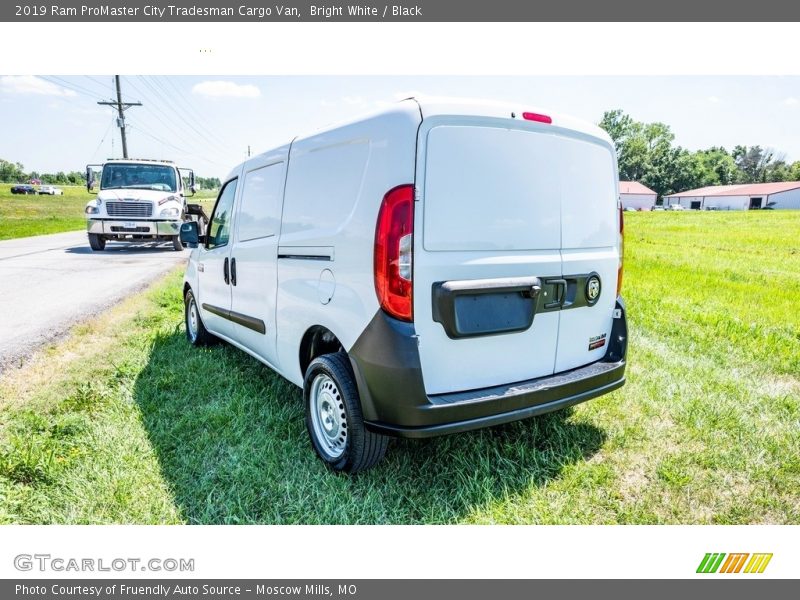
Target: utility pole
[[248, 151], [121, 107]]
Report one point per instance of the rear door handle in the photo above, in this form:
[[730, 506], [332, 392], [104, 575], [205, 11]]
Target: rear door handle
[[560, 286], [233, 271], [225, 272]]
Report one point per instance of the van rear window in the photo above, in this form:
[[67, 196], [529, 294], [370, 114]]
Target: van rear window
[[499, 189]]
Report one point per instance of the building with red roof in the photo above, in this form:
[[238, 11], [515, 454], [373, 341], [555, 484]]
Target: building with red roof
[[744, 196], [633, 194]]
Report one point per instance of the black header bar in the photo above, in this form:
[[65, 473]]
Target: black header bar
[[400, 10]]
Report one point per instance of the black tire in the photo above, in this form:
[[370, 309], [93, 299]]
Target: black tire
[[177, 244], [357, 448], [196, 332], [97, 243]]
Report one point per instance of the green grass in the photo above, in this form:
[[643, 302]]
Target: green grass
[[125, 423], [23, 215]]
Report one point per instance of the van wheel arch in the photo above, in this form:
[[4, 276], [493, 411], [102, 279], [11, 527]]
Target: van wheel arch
[[317, 341]]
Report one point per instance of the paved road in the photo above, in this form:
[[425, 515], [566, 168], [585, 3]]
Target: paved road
[[50, 282]]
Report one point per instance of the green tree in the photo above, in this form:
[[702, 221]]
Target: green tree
[[11, 172], [718, 166], [754, 163]]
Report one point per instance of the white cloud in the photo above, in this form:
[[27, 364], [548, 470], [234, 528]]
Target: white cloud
[[713, 100], [29, 84], [227, 89], [791, 101]]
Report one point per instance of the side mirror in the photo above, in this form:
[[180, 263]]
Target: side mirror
[[193, 189], [189, 234], [89, 180]]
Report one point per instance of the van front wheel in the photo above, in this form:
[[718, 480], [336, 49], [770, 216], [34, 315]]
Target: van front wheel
[[333, 416], [196, 332]]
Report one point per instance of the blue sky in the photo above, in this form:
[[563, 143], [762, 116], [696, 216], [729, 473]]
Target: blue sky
[[53, 123]]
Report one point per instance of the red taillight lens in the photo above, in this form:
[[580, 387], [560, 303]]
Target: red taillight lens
[[621, 248], [394, 245], [536, 117]]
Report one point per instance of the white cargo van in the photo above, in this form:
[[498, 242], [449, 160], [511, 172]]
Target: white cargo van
[[433, 268]]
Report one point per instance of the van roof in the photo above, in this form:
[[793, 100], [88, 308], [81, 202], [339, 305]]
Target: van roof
[[431, 106], [440, 106]]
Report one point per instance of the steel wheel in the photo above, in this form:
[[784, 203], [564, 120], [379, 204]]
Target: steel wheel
[[192, 320], [328, 416]]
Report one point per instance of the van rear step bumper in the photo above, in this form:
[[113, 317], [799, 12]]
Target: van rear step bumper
[[386, 364], [532, 398]]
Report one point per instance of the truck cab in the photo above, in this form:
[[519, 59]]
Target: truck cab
[[138, 200]]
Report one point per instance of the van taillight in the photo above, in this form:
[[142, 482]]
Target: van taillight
[[394, 244], [621, 247]]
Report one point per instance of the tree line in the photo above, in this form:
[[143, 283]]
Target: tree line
[[14, 172], [646, 154]]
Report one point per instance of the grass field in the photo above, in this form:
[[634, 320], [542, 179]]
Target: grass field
[[22, 215], [125, 423]]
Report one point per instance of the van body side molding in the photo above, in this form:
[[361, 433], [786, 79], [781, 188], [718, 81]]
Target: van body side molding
[[238, 318], [306, 252]]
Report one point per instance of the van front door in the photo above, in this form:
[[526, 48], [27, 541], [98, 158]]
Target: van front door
[[214, 264], [255, 253]]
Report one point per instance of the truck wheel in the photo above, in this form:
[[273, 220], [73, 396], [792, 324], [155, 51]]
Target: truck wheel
[[333, 416], [196, 332], [177, 244], [96, 242]]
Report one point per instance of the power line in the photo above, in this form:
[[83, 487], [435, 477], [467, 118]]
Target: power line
[[168, 103], [191, 108], [75, 87], [140, 129], [180, 113], [103, 139], [178, 134], [100, 83]]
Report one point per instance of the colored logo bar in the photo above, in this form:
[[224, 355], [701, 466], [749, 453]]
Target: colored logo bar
[[737, 562]]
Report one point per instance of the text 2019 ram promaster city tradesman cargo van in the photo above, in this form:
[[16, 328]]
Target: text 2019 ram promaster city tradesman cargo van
[[433, 268]]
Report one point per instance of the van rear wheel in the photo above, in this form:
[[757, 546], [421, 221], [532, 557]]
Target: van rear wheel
[[333, 416]]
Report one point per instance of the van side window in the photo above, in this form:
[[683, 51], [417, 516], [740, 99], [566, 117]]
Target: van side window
[[260, 211], [220, 227]]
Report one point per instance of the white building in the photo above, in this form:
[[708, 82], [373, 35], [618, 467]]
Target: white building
[[635, 195], [778, 195]]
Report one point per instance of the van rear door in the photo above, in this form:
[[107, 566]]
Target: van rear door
[[590, 245], [487, 223], [498, 200]]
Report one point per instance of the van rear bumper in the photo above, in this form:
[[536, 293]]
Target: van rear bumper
[[386, 364]]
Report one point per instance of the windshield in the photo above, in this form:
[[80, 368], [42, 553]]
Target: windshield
[[144, 177]]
